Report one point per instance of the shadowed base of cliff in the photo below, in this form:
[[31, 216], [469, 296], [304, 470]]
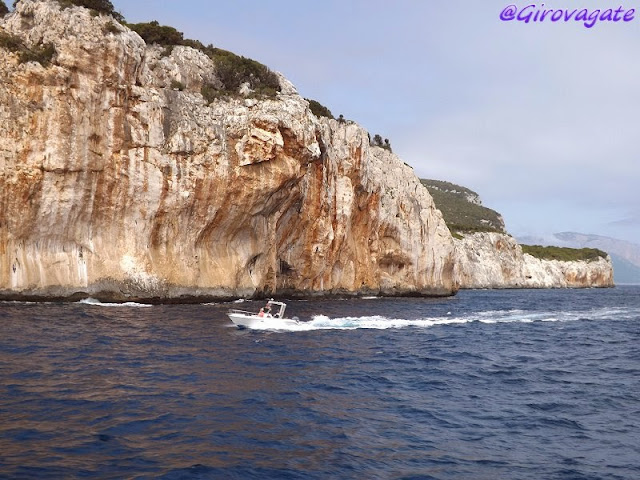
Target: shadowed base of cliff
[[111, 292]]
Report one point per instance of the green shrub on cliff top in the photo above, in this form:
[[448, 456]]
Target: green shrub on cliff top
[[232, 70], [459, 213], [318, 109], [564, 254], [377, 142], [154, 33], [3, 9], [100, 6]]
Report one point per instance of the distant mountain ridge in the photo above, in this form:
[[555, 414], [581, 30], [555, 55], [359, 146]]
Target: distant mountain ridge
[[627, 250], [624, 271]]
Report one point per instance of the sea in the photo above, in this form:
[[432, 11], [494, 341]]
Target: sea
[[489, 384]]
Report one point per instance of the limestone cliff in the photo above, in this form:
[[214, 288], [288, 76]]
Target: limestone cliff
[[496, 260], [119, 180], [487, 257]]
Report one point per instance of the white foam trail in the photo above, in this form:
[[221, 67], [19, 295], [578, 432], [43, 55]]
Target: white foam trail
[[323, 322], [98, 303]]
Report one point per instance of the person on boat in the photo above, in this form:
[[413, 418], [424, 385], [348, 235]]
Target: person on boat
[[265, 311]]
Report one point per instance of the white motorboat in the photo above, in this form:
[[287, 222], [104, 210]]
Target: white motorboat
[[269, 316]]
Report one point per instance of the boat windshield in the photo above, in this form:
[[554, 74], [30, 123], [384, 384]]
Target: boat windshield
[[277, 308]]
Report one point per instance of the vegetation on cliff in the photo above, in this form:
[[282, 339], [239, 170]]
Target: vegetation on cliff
[[232, 70], [377, 142], [318, 109], [42, 54], [99, 6], [460, 214], [564, 254], [154, 33]]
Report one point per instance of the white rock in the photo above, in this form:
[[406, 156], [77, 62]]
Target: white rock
[[495, 260]]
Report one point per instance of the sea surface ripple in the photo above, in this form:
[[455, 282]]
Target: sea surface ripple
[[486, 385]]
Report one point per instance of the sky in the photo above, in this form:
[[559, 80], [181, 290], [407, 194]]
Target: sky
[[541, 118]]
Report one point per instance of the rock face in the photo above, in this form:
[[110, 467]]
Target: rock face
[[496, 260], [116, 185], [625, 256], [488, 260]]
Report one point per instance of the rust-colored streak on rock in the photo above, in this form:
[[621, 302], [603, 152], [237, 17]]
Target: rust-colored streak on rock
[[115, 185]]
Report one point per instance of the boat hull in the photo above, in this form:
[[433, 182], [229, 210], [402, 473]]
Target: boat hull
[[243, 320]]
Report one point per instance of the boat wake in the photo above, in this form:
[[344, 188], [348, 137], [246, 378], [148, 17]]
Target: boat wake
[[98, 303], [323, 322]]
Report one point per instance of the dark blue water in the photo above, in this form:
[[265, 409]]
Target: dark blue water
[[486, 385]]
